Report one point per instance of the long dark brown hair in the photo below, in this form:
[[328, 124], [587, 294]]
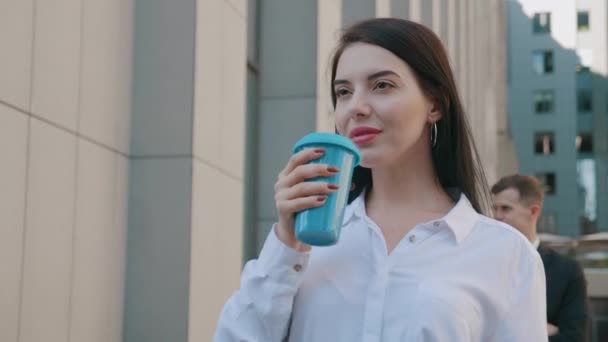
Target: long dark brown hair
[[455, 158]]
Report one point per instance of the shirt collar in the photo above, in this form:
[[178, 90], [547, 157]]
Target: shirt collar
[[460, 219], [536, 243], [355, 208]]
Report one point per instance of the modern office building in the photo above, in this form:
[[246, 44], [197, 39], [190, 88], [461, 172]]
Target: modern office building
[[140, 141], [557, 89]]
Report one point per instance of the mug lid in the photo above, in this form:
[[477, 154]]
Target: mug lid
[[331, 139]]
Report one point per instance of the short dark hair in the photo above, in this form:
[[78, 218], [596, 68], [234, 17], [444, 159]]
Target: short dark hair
[[455, 158], [529, 188]]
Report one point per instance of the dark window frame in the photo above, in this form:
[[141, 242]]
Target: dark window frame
[[537, 27], [548, 179], [541, 145], [544, 101], [584, 142], [548, 61], [582, 21], [584, 100]]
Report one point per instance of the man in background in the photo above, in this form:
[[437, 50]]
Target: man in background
[[518, 201]]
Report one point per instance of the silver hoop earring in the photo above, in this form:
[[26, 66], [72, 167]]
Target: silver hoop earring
[[433, 134]]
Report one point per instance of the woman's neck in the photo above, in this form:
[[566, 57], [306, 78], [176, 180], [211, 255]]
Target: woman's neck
[[410, 184]]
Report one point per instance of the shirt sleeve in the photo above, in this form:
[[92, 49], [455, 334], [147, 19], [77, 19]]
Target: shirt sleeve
[[261, 309], [526, 316]]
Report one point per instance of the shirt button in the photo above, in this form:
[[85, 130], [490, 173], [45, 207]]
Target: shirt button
[[412, 238], [436, 223], [297, 267]]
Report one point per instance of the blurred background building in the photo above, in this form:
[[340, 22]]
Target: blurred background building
[[558, 62], [141, 140], [558, 118]]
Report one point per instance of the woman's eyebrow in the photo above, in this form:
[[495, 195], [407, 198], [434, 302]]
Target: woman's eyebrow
[[370, 77], [382, 73]]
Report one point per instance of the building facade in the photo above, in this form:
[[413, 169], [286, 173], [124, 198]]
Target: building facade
[[557, 107], [141, 140]]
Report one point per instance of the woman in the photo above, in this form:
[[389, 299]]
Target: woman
[[416, 260]]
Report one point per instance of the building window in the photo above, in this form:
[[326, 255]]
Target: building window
[[547, 223], [582, 21], [543, 101], [585, 60], [542, 61], [541, 23], [547, 180], [584, 143], [586, 174], [544, 143], [584, 100]]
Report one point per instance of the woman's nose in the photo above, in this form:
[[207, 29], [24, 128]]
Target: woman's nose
[[360, 105]]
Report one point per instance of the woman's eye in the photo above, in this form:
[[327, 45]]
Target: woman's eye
[[341, 92], [383, 85]]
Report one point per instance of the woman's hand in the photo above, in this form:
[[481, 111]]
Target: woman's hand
[[293, 193]]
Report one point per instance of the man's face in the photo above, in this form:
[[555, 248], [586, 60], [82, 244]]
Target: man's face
[[509, 209]]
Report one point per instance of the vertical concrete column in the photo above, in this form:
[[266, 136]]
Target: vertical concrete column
[[355, 10], [220, 93], [436, 17], [426, 13], [64, 118], [415, 10], [160, 190], [186, 190], [329, 19], [383, 8], [400, 9], [288, 89]]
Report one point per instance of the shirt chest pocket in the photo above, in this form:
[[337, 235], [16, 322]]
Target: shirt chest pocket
[[449, 307]]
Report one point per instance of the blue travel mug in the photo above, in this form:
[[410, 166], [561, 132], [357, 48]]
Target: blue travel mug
[[320, 226]]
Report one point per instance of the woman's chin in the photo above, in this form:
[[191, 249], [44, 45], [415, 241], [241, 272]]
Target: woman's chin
[[370, 161], [377, 158]]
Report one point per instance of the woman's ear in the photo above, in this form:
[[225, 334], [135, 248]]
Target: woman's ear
[[435, 114]]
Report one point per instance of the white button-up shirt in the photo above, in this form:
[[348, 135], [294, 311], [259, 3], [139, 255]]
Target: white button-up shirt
[[464, 277]]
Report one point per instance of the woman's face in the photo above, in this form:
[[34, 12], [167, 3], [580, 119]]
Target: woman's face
[[380, 106]]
